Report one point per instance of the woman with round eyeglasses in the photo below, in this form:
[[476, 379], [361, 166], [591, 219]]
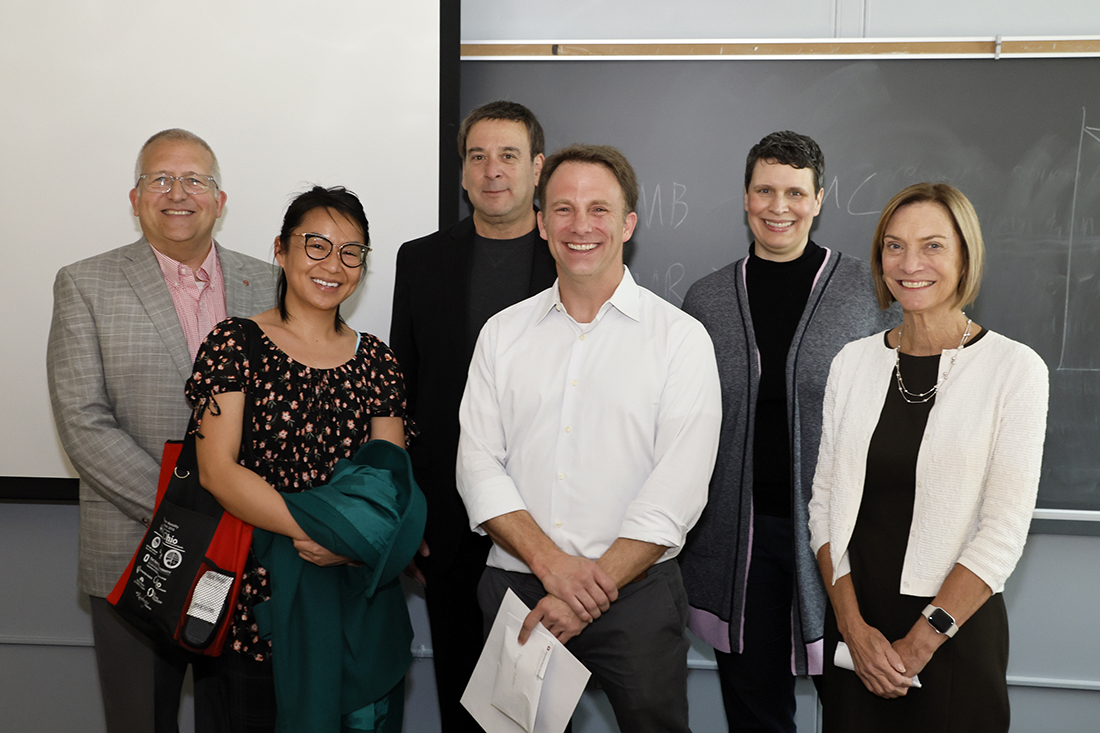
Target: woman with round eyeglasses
[[279, 399], [932, 441]]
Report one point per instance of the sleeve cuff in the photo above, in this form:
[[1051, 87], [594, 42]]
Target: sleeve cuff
[[844, 567], [648, 523], [491, 498]]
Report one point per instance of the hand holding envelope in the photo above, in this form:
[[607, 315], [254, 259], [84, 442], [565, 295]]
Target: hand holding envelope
[[529, 688]]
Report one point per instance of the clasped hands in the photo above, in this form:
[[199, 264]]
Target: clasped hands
[[578, 590], [888, 669]]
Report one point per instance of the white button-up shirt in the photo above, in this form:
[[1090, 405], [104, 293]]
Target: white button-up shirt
[[600, 430]]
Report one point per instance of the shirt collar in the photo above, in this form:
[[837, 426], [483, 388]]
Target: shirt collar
[[172, 269], [626, 299]]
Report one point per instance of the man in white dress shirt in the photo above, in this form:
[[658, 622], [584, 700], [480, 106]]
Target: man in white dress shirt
[[589, 430]]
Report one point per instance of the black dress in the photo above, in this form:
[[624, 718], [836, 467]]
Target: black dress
[[963, 686]]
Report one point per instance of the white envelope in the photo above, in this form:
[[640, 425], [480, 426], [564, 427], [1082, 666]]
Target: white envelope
[[563, 679], [520, 672], [843, 659]]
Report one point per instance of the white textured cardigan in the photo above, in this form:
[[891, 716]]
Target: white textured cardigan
[[977, 469]]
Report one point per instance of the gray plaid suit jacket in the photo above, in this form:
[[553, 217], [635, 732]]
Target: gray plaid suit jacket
[[117, 362]]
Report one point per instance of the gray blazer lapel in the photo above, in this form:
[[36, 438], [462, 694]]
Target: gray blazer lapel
[[241, 297], [143, 272]]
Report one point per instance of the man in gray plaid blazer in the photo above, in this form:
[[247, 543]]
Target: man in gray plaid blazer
[[126, 325]]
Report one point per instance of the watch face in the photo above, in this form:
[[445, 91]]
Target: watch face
[[941, 620]]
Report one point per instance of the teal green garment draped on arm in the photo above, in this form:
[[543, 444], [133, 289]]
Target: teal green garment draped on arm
[[341, 636]]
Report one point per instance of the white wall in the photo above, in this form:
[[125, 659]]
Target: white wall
[[344, 93], [496, 20]]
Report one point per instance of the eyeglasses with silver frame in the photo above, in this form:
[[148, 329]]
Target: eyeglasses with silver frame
[[318, 247], [193, 183]]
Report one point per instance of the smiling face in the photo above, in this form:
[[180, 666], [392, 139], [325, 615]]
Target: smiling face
[[781, 206], [585, 224], [500, 177], [321, 284], [922, 258], [177, 223]]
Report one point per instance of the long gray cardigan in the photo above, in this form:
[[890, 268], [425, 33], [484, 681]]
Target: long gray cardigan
[[841, 307]]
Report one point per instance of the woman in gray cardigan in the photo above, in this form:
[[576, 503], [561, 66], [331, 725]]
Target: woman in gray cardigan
[[777, 318]]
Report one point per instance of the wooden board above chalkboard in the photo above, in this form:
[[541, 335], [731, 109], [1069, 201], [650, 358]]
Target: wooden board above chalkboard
[[1021, 137], [992, 47]]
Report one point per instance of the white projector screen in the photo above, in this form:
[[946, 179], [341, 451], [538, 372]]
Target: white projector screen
[[339, 92]]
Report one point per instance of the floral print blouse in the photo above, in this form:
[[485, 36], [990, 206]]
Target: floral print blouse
[[301, 420]]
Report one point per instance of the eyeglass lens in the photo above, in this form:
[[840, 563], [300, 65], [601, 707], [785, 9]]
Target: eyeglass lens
[[163, 183], [351, 253]]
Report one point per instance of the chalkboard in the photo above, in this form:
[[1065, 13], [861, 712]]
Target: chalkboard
[[1021, 137]]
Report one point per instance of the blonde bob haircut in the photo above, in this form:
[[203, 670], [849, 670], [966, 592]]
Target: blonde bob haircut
[[967, 229]]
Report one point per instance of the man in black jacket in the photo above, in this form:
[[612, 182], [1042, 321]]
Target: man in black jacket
[[447, 285]]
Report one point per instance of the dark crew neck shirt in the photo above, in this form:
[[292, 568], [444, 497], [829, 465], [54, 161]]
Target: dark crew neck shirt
[[778, 292], [500, 275]]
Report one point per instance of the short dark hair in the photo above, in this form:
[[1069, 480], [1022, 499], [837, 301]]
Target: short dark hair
[[337, 198], [788, 148], [503, 110], [967, 228], [605, 155]]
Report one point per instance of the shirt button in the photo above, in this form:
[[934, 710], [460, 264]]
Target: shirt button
[[582, 337], [561, 476], [568, 428], [574, 382], [558, 524], [557, 307]]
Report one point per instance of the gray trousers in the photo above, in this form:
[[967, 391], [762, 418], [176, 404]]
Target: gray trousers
[[141, 681], [637, 650]]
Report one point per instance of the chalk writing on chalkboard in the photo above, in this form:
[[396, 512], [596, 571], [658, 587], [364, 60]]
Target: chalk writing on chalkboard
[[670, 284], [833, 191], [1082, 262], [649, 206]]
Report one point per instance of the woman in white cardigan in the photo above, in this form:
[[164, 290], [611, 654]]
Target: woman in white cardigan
[[929, 463]]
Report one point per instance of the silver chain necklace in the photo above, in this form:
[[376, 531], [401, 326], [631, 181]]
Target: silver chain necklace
[[914, 398]]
